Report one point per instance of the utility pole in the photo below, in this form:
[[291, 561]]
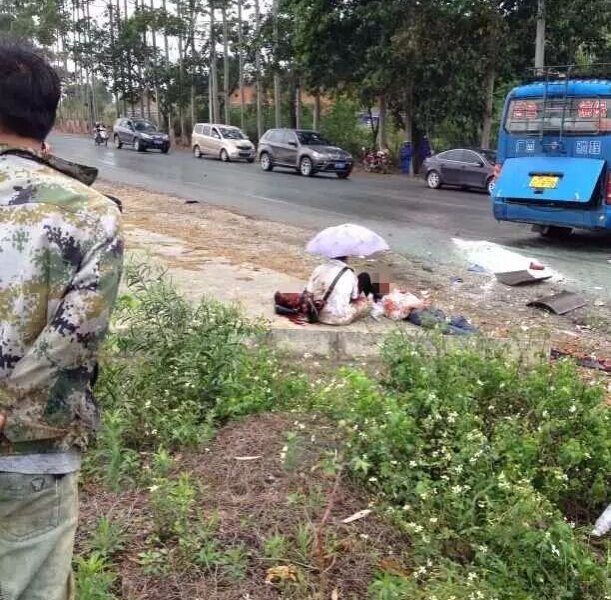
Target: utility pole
[[241, 66], [540, 41], [277, 90]]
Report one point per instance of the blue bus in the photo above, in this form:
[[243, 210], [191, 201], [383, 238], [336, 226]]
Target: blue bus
[[554, 156]]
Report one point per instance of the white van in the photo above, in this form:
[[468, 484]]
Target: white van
[[224, 141]]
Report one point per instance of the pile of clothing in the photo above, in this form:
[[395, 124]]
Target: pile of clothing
[[404, 306]]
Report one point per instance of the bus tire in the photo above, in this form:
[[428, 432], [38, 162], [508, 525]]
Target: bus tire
[[553, 232]]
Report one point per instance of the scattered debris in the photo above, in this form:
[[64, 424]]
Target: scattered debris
[[357, 516], [475, 268], [520, 277], [599, 303], [392, 567], [587, 362], [247, 458], [536, 266], [191, 201], [281, 574], [561, 303], [456, 280]]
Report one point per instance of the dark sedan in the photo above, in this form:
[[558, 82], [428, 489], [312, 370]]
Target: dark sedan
[[306, 151], [140, 134], [464, 167]]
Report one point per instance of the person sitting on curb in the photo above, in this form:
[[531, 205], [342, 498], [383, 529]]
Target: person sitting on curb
[[334, 295], [347, 302]]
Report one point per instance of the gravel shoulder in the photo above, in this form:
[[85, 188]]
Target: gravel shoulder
[[263, 252]]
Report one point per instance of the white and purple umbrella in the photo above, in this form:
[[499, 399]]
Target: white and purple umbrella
[[346, 240]]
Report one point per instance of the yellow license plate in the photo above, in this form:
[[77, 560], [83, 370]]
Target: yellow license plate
[[544, 182]]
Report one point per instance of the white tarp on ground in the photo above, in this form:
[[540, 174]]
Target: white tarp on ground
[[498, 259]]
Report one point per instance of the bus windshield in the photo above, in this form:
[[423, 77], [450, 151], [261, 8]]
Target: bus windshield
[[570, 116]]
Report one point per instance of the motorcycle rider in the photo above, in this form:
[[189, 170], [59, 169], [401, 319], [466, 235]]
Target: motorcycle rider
[[99, 132]]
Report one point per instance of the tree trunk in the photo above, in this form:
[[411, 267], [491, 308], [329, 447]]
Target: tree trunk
[[153, 73], [130, 80], [487, 122], [316, 119], [216, 117], [181, 78], [258, 71], [298, 105], [408, 125], [277, 88], [121, 64], [166, 48], [241, 67], [540, 39], [94, 106], [112, 49], [193, 19], [141, 74], [226, 64], [382, 141]]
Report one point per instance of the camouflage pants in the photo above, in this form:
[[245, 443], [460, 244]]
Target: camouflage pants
[[38, 518]]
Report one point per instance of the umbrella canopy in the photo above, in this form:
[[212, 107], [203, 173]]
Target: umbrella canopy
[[346, 240]]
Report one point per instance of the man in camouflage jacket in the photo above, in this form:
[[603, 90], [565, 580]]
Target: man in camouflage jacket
[[60, 263]]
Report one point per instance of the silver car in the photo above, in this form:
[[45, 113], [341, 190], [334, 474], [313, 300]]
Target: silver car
[[306, 151], [221, 141]]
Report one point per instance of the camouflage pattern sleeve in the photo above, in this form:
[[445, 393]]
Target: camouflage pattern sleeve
[[60, 363], [61, 249]]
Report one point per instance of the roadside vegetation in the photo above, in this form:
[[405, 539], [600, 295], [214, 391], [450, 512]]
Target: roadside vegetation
[[223, 472]]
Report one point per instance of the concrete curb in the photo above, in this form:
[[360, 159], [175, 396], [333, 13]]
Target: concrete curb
[[342, 346]]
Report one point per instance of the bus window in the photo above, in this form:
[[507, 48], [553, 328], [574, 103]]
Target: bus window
[[572, 116]]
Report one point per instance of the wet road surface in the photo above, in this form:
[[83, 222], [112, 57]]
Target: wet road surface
[[417, 221]]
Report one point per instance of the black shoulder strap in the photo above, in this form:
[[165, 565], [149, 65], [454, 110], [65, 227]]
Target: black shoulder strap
[[86, 175], [82, 173], [332, 286]]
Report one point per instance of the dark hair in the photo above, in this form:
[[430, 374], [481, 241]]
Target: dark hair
[[29, 92]]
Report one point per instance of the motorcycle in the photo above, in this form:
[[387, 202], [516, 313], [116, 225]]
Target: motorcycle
[[376, 161], [101, 137]]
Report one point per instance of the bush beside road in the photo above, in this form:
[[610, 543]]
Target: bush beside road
[[447, 474]]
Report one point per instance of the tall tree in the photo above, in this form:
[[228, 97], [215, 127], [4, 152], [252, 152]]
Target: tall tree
[[241, 64]]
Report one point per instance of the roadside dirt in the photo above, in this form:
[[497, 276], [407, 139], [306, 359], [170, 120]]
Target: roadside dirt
[[262, 488], [208, 233]]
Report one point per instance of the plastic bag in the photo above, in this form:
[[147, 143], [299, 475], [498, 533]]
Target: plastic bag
[[603, 523]]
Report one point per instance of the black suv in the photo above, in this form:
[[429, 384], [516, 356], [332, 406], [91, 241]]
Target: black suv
[[307, 151], [139, 133]]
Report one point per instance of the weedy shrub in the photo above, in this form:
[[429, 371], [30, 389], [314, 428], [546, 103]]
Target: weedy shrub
[[108, 538], [95, 578], [496, 471], [171, 370], [172, 502]]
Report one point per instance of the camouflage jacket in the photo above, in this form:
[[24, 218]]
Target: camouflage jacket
[[61, 252]]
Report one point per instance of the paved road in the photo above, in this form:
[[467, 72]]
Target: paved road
[[416, 220]]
